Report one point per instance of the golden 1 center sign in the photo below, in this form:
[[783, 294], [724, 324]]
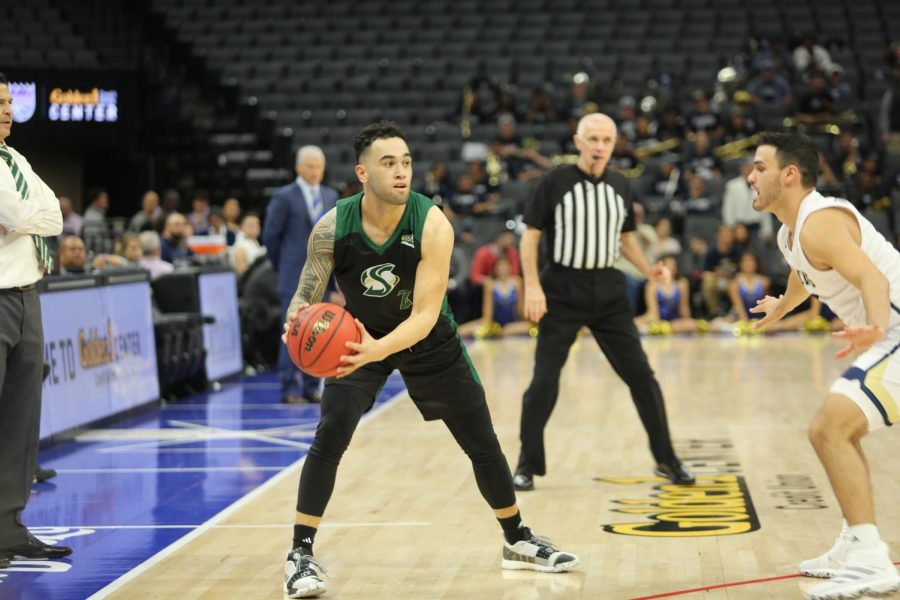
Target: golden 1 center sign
[[65, 104]]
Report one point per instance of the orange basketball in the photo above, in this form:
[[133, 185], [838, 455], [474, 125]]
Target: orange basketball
[[316, 341]]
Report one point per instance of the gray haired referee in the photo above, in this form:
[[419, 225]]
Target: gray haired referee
[[28, 210], [585, 212]]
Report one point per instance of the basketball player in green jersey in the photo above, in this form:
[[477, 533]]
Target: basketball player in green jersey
[[389, 249]]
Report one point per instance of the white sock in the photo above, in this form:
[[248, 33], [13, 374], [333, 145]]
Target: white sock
[[866, 533], [845, 528]]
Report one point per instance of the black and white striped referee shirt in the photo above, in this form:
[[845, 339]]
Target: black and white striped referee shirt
[[581, 217]]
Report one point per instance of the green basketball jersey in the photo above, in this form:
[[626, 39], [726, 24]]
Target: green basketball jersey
[[378, 280]]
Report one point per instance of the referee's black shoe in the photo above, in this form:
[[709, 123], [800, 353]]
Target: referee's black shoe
[[676, 472], [523, 481]]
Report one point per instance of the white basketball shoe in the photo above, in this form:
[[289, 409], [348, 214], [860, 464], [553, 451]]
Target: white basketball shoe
[[831, 562], [868, 571]]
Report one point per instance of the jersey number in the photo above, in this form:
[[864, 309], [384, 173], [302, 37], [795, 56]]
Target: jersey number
[[405, 301]]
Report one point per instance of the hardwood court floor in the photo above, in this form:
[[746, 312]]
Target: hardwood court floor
[[406, 520]]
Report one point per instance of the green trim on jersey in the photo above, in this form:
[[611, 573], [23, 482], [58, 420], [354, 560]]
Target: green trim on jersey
[[349, 219]]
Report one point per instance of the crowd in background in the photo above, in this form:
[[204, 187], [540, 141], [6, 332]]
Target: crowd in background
[[687, 163]]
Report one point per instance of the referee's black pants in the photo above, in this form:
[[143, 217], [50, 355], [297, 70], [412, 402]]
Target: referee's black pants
[[596, 299]]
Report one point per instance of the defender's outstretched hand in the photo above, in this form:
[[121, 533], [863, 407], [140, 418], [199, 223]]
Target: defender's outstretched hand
[[859, 338]]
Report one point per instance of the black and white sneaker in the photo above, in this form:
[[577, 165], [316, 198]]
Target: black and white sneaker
[[304, 576], [536, 553], [523, 481]]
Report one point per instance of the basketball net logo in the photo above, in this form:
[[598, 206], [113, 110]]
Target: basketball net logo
[[379, 280]]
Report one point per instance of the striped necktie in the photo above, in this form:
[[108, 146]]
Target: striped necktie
[[316, 205], [43, 251]]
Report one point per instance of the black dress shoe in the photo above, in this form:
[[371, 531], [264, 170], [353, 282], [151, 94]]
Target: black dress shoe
[[675, 472], [4, 563], [523, 481], [34, 548], [42, 474]]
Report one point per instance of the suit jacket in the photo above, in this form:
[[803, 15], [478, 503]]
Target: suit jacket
[[287, 230]]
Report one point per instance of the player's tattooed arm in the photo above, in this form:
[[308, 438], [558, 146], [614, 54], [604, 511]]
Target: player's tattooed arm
[[319, 263]]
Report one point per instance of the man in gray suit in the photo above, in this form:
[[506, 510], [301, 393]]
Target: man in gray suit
[[28, 210], [290, 217]]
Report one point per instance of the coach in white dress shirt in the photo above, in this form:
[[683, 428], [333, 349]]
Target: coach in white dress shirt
[[28, 210]]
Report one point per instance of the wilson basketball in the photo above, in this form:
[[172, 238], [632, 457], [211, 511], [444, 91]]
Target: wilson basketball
[[316, 341]]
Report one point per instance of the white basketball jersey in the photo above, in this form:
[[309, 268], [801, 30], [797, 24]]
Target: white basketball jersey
[[839, 294]]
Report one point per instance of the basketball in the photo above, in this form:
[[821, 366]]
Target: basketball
[[317, 339]]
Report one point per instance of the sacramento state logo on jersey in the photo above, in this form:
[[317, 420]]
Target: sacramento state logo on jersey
[[379, 280]]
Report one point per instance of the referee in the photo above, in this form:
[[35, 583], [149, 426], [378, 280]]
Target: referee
[[585, 212]]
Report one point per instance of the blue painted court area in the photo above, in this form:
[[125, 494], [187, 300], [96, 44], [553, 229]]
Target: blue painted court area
[[126, 491]]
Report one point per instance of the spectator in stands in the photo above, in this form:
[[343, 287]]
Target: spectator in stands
[[810, 56], [72, 256], [128, 253], [847, 158], [218, 227], [94, 229], [816, 105], [438, 185], [719, 268], [739, 127], [466, 201], [483, 184], [698, 200], [842, 95], [502, 307], [671, 125], [567, 142], [147, 217], [771, 88], [665, 244], [231, 210], [737, 205], [457, 287], [701, 117], [541, 109], [644, 132], [174, 238], [199, 215], [702, 160], [692, 263], [668, 304], [623, 158], [72, 221], [775, 55], [747, 287], [518, 161], [171, 201], [578, 97], [827, 183], [482, 267], [151, 259], [867, 192], [250, 232], [290, 217], [506, 103], [889, 112], [484, 258], [635, 280], [626, 117], [668, 182], [259, 306], [480, 98]]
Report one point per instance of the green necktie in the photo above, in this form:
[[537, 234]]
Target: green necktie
[[22, 187]]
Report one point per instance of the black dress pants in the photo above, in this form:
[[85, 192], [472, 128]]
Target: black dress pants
[[596, 299]]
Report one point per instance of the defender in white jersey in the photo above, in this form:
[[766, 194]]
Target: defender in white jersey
[[836, 254]]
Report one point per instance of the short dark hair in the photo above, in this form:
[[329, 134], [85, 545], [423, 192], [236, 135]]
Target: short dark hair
[[3, 80], [376, 131], [94, 193], [794, 149]]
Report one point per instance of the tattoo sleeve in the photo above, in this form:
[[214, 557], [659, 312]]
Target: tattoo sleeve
[[319, 263]]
